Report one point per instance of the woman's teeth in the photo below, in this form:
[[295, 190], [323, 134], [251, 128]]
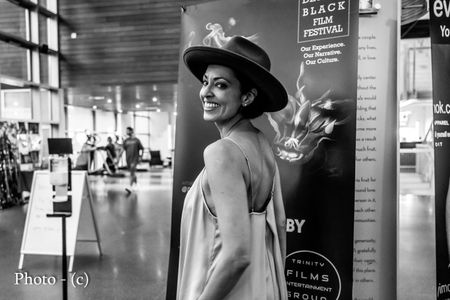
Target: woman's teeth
[[210, 105]]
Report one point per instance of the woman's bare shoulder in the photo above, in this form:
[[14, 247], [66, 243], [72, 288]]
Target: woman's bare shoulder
[[222, 151]]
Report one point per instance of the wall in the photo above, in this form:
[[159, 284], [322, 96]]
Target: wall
[[160, 133]]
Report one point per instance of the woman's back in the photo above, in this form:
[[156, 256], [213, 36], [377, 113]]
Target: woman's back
[[258, 170], [202, 241], [261, 166]]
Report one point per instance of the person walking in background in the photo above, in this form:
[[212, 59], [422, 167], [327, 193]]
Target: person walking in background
[[134, 150]]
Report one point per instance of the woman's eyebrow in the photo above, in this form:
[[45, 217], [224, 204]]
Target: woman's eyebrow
[[221, 78], [205, 77]]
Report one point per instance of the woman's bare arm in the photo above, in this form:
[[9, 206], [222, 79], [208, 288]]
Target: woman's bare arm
[[224, 163]]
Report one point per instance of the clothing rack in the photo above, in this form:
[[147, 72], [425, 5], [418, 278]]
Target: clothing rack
[[10, 193]]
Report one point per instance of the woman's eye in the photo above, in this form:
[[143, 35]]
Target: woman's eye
[[221, 85], [205, 82]]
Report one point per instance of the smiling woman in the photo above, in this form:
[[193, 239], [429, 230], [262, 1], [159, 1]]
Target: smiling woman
[[233, 239], [221, 94]]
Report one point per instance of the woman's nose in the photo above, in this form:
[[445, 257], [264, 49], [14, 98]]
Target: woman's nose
[[206, 91]]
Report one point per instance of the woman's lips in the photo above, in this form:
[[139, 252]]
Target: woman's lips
[[210, 105]]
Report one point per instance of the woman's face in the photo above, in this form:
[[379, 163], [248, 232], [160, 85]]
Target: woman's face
[[220, 94]]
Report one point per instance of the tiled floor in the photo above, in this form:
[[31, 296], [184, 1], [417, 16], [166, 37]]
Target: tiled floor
[[416, 251], [135, 232], [416, 236]]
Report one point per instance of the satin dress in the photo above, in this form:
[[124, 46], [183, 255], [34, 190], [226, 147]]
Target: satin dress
[[200, 244]]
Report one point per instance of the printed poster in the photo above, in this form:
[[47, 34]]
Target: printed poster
[[313, 49], [440, 58]]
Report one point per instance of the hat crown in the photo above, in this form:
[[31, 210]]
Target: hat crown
[[243, 47]]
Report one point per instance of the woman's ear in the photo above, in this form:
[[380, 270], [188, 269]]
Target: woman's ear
[[249, 97]]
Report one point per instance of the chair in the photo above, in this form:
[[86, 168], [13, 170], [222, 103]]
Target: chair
[[155, 158]]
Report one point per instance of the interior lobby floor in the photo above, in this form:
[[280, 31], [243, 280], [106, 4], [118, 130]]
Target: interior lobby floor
[[135, 234], [416, 271], [416, 252]]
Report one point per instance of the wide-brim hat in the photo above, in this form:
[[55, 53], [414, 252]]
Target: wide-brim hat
[[247, 59]]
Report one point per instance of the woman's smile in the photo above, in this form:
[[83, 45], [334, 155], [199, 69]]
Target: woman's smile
[[220, 94], [209, 106]]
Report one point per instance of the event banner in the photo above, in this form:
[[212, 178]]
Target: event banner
[[374, 256], [440, 58], [313, 47]]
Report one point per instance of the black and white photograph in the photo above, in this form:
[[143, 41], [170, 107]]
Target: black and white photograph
[[225, 149]]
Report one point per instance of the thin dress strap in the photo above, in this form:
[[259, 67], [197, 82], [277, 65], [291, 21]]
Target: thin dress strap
[[249, 169], [269, 198]]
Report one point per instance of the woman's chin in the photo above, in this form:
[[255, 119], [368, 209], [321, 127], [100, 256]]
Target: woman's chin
[[208, 117]]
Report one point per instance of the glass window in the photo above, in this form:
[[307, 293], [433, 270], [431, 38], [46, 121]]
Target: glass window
[[43, 68], [53, 71], [43, 3], [13, 19], [119, 124], [416, 115], [415, 55], [145, 140], [142, 130], [105, 122], [44, 100], [46, 133], [43, 31], [79, 121], [142, 124], [126, 119], [16, 104], [422, 67], [51, 5], [13, 61], [55, 106]]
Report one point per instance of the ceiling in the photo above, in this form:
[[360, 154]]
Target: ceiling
[[123, 98], [124, 54], [118, 55], [116, 42]]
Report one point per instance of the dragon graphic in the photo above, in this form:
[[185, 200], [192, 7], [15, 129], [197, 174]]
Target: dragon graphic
[[303, 124]]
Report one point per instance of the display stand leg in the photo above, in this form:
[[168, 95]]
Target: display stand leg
[[71, 263], [64, 257], [21, 262], [97, 235], [63, 217]]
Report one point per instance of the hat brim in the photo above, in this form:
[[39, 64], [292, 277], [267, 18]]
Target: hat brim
[[272, 96]]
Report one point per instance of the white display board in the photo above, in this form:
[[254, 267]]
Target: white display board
[[374, 258], [43, 235]]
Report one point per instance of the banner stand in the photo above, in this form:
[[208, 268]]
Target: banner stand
[[440, 60], [313, 137]]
